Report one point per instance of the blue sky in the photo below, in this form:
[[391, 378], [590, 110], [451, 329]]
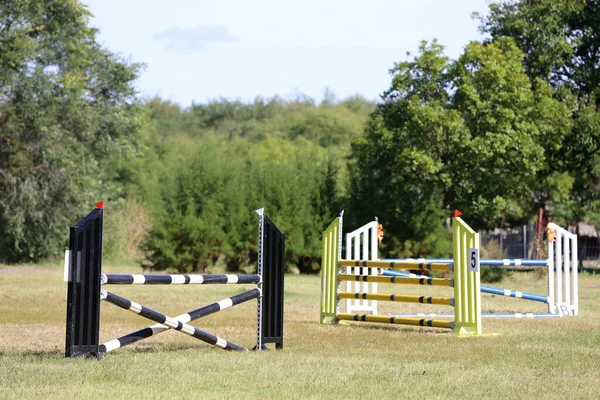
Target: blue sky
[[197, 50]]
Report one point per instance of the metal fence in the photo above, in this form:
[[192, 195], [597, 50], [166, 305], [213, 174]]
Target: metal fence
[[522, 242]]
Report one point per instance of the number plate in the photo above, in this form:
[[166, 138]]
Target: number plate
[[473, 260]]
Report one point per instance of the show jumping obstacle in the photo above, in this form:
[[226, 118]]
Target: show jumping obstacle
[[83, 271], [465, 266], [562, 290], [562, 296]]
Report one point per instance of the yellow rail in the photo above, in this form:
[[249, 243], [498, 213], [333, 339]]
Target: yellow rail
[[403, 298], [436, 323], [413, 265], [397, 279]]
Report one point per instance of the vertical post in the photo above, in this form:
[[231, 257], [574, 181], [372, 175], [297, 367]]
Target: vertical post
[[374, 256], [259, 270], [551, 298], [539, 234], [567, 269], [349, 247], [525, 242], [83, 288], [365, 256], [332, 250], [575, 277], [271, 268], [467, 285], [351, 304], [558, 267]]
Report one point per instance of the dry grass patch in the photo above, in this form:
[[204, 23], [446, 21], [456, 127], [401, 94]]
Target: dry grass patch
[[548, 358]]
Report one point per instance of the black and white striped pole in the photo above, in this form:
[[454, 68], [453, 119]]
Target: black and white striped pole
[[126, 279], [187, 317], [83, 272], [172, 323]]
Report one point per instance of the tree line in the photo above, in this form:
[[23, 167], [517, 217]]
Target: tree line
[[509, 126]]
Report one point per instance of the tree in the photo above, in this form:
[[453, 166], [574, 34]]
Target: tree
[[203, 202], [560, 39], [66, 107], [561, 43], [469, 134]]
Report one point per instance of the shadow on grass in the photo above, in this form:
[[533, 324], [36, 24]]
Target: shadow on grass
[[167, 347], [41, 355], [412, 329], [383, 327], [34, 354]]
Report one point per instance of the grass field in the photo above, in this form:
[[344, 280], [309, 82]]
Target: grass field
[[553, 358]]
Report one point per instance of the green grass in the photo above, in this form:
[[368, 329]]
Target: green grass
[[546, 358]]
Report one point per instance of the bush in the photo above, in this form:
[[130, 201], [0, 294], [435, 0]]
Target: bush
[[491, 274], [202, 202], [125, 226]]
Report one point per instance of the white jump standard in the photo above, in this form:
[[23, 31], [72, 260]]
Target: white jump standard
[[561, 267]]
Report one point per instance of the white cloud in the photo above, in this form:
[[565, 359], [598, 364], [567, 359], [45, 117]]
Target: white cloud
[[188, 40]]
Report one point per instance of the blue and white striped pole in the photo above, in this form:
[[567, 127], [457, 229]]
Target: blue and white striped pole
[[506, 262], [484, 289]]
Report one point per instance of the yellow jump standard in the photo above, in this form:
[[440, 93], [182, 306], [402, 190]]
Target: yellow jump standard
[[465, 282]]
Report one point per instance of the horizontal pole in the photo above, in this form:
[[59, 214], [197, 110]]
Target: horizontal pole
[[514, 293], [403, 298], [506, 262], [423, 280], [187, 317], [484, 289], [396, 320], [168, 321], [164, 279], [423, 266], [509, 315], [387, 272]]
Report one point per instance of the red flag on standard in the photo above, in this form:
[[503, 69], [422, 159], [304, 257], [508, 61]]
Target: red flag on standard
[[457, 213], [100, 204]]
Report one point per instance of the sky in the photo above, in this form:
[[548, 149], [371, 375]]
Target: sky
[[198, 51]]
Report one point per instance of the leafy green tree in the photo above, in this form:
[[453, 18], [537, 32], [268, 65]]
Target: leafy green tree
[[291, 179], [195, 202], [470, 134], [202, 201], [561, 43], [288, 156], [66, 107], [560, 39]]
